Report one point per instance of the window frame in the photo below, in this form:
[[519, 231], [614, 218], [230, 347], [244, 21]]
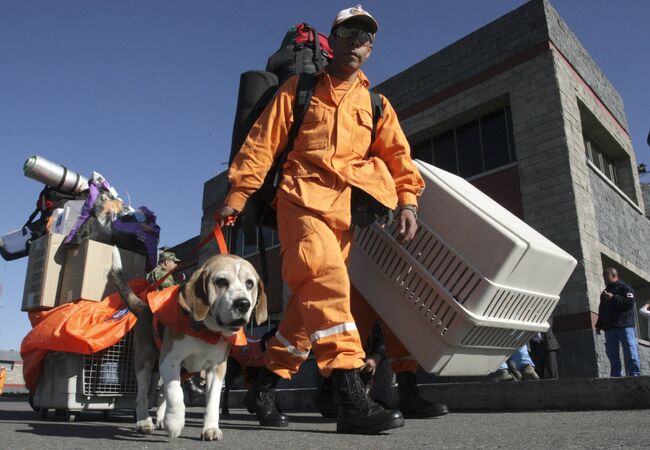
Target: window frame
[[426, 149]]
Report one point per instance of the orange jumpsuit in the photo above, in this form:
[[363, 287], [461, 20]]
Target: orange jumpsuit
[[331, 152]]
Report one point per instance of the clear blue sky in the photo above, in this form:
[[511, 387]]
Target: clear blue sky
[[144, 92]]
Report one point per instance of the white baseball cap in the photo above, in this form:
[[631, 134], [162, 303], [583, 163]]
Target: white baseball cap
[[358, 13]]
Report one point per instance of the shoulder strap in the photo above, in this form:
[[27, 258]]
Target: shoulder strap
[[304, 93], [377, 112], [318, 58]]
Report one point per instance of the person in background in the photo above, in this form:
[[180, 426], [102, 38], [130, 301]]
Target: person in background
[[616, 319], [543, 352], [167, 262], [523, 367]]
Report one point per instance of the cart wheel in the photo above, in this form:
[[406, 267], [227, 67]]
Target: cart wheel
[[43, 413], [105, 414]]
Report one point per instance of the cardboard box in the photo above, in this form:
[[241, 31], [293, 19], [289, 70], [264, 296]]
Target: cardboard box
[[44, 271], [87, 265]]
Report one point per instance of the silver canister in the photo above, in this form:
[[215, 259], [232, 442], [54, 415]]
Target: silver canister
[[54, 175]]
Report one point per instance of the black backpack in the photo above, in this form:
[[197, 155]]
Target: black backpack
[[303, 50]]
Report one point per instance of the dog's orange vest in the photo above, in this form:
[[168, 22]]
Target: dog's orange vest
[[164, 305]]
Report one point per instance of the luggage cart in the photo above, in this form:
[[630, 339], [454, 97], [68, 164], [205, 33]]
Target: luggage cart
[[474, 285], [73, 382]]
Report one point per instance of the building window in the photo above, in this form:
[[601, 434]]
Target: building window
[[474, 147], [600, 159], [246, 244], [607, 156]]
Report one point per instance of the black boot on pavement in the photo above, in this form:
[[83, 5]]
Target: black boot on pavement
[[358, 414], [260, 400], [325, 400], [412, 405]]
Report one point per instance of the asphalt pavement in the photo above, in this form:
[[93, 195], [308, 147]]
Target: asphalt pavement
[[23, 428]]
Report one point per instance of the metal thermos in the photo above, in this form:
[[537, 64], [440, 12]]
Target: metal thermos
[[54, 175]]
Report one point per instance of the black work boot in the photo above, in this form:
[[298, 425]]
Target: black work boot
[[411, 404], [260, 400], [358, 414], [325, 401]]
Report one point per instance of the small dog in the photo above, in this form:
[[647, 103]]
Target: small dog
[[220, 296]]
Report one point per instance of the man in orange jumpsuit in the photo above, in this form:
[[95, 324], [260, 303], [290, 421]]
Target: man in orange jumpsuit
[[332, 152]]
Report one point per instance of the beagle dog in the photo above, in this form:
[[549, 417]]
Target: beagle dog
[[221, 297]]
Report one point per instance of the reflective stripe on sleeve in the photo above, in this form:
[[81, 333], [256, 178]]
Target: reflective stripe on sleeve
[[348, 326]]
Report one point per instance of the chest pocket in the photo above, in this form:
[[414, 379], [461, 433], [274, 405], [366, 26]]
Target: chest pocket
[[362, 132], [314, 131]]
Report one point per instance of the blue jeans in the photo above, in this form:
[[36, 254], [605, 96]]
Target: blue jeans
[[627, 338], [521, 358]]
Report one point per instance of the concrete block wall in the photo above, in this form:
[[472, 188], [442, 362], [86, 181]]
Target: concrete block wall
[[645, 192], [621, 229], [497, 41], [601, 232], [567, 42]]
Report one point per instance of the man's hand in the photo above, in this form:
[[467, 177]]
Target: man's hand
[[407, 226], [608, 295], [224, 213], [370, 366]]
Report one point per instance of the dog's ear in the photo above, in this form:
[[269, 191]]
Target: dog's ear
[[195, 297], [261, 309]]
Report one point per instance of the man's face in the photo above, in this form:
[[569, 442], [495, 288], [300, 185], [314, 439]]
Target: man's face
[[351, 45], [609, 278], [168, 264]]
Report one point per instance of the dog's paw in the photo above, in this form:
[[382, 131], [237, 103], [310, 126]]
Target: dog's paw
[[212, 434], [160, 424], [174, 424], [173, 434], [144, 426]]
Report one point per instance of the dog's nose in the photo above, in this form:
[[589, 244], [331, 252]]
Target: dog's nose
[[242, 305]]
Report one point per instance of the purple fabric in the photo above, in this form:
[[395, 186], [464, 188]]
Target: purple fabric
[[147, 232], [87, 208]]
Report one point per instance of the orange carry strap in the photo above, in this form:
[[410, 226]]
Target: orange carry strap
[[218, 236], [217, 233]]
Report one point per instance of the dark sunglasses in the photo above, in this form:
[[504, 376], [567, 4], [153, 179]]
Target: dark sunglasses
[[349, 33]]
